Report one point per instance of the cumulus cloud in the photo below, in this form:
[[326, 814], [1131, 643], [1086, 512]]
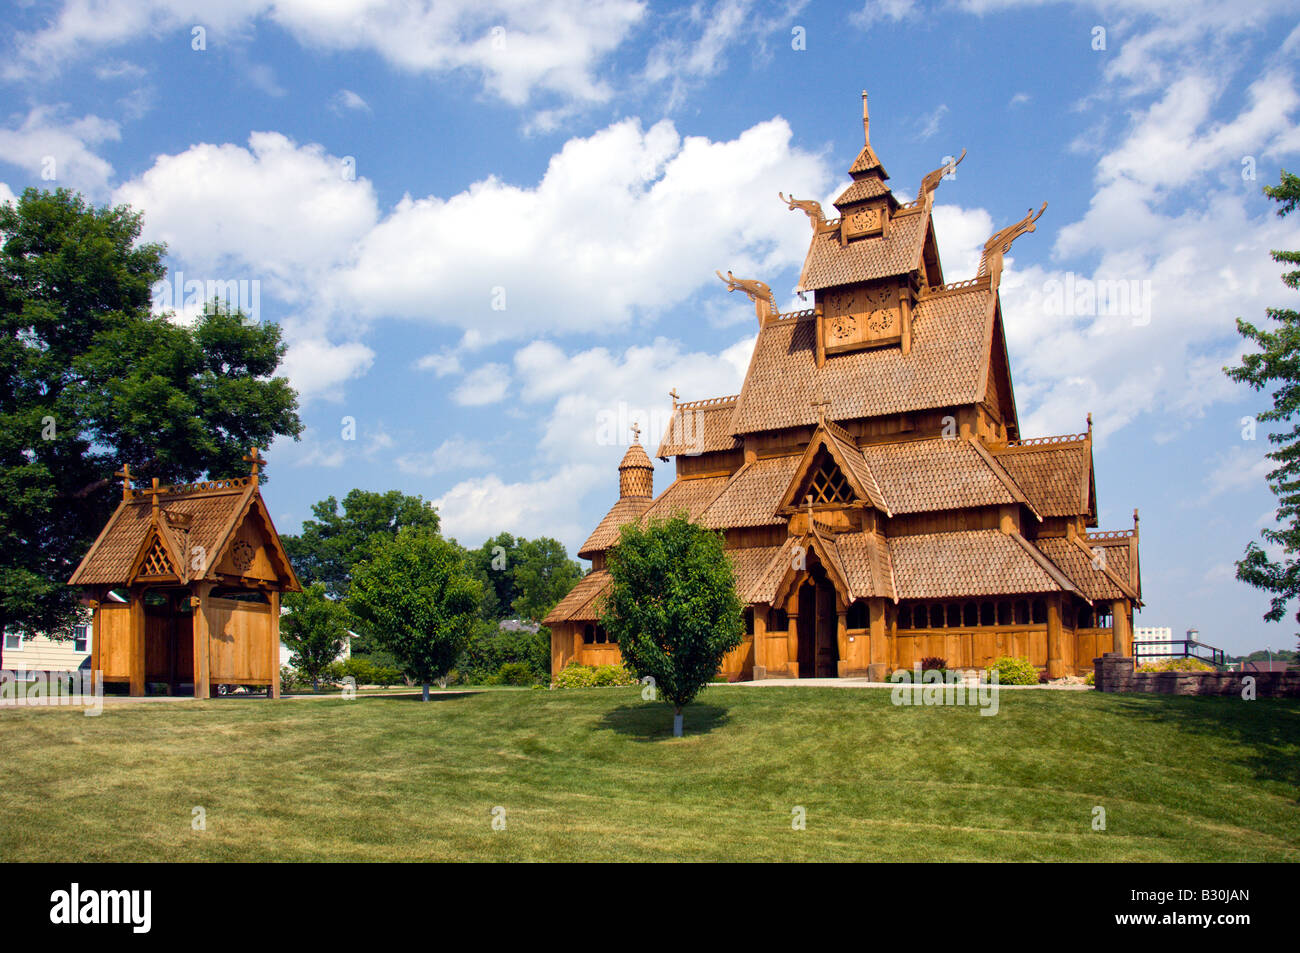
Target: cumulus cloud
[[455, 453], [478, 508], [516, 47], [483, 385], [58, 149]]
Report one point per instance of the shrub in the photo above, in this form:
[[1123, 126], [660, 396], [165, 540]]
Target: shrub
[[575, 675], [289, 678], [1090, 678], [366, 672], [933, 663], [1177, 665], [515, 673], [1014, 670]]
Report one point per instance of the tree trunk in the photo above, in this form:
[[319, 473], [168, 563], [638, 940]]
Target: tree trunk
[[677, 722], [425, 693]]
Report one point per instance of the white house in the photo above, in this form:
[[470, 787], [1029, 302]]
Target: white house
[[25, 652]]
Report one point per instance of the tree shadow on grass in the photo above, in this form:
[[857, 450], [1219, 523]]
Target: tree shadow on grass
[[1265, 734], [654, 722], [433, 696]]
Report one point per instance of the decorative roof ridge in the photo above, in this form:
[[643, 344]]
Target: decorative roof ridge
[[1109, 535], [1058, 575], [1045, 443], [980, 283], [708, 402]]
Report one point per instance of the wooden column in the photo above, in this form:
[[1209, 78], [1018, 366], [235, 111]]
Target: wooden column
[[878, 669], [1055, 666], [96, 628], [760, 642], [274, 596], [1121, 627], [202, 591], [137, 641], [845, 664]]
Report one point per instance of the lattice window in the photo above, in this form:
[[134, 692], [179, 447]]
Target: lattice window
[[828, 484], [156, 562]]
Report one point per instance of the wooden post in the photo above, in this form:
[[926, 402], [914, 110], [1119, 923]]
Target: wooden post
[[1055, 666], [137, 641], [760, 643], [274, 595], [845, 664], [96, 629], [878, 669], [1120, 627], [202, 591]]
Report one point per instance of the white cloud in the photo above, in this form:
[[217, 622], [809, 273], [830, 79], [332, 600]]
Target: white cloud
[[478, 508], [455, 453], [626, 222], [6, 194], [929, 124], [441, 363], [516, 47], [483, 385], [317, 368], [347, 99], [46, 142]]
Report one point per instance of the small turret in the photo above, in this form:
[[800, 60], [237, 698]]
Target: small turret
[[636, 474]]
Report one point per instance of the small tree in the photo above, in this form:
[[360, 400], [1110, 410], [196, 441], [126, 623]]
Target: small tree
[[1276, 365], [315, 629], [672, 606], [419, 600]]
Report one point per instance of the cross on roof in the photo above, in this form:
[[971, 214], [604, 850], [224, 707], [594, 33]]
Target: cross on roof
[[821, 406], [254, 459], [673, 394], [636, 432], [125, 474]]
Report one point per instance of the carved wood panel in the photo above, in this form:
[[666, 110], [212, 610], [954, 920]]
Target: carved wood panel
[[861, 315]]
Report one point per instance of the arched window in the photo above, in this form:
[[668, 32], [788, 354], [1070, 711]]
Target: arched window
[[1022, 612], [780, 621], [1040, 612], [749, 621], [857, 616], [970, 615], [936, 616], [904, 616], [988, 614], [954, 615], [600, 635], [1085, 618], [589, 634], [1004, 612]]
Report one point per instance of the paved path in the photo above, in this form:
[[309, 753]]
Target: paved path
[[867, 683]]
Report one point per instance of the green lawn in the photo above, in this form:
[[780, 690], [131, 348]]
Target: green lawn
[[595, 775]]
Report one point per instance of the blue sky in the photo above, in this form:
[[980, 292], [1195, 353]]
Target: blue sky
[[488, 227]]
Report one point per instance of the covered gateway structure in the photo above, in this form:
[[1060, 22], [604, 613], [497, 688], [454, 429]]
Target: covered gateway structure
[[184, 584]]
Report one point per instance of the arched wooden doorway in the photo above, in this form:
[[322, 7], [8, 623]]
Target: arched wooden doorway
[[818, 648]]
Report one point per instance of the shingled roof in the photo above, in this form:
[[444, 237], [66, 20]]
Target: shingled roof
[[581, 604], [752, 495], [920, 476], [1055, 474], [606, 533], [978, 562], [700, 426], [195, 517], [1103, 575], [946, 367], [894, 252], [692, 495]]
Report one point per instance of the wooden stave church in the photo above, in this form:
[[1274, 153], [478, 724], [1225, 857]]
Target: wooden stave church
[[876, 498]]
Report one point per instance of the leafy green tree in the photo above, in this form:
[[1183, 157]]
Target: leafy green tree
[[316, 630], [490, 647], [672, 606], [334, 542], [90, 380], [493, 565], [1277, 364], [416, 594], [543, 575]]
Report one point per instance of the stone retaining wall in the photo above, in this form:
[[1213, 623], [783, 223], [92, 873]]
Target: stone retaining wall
[[1117, 673]]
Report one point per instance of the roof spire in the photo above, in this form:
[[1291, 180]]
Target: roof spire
[[636, 432], [255, 461], [866, 122]]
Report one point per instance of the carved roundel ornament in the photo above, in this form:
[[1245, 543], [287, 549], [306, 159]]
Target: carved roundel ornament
[[843, 328], [880, 320], [241, 553]]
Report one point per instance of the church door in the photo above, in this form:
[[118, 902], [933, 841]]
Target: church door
[[828, 653], [807, 657]]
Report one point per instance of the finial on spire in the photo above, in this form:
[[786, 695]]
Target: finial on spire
[[1090, 424], [125, 474], [673, 394], [636, 432], [820, 405], [153, 492], [866, 122]]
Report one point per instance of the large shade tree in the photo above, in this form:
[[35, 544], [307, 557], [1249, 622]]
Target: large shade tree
[[1276, 365], [90, 380], [672, 606], [315, 629], [337, 539], [418, 598]]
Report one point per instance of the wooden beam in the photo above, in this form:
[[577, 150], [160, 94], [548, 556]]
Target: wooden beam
[[1055, 665], [137, 641], [274, 596]]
